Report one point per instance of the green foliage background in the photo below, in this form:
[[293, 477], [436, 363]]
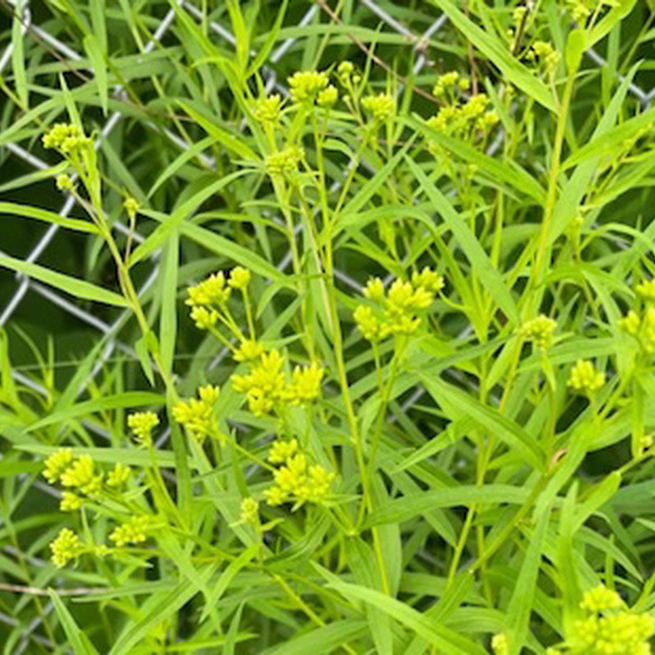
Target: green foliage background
[[180, 131]]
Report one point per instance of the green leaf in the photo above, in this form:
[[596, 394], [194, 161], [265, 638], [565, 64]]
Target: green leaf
[[397, 511], [459, 404], [76, 637], [481, 263], [231, 143], [121, 400], [97, 58], [447, 641], [18, 51], [522, 602], [78, 288], [47, 217]]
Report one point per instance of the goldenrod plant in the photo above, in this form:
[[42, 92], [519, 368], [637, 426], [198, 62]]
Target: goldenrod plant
[[376, 373]]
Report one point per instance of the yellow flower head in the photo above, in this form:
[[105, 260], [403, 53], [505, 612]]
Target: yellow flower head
[[545, 54], [249, 350], [374, 289], [282, 451], [239, 278], [648, 329], [585, 378], [646, 290], [345, 69], [487, 121], [369, 324], [267, 110], [428, 279], [209, 394], [118, 476], [197, 415], [320, 483], [620, 633], [449, 82], [630, 323], [132, 532], [142, 424], [601, 598], [382, 106], [540, 331], [403, 296], [500, 645], [266, 378], [327, 97], [284, 162], [306, 384], [70, 502], [131, 207], [259, 403], [64, 182], [66, 138], [81, 475], [65, 547], [57, 463], [210, 292], [204, 318], [304, 86], [298, 482], [249, 511]]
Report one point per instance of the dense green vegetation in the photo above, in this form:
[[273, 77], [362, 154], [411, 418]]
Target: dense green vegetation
[[343, 339]]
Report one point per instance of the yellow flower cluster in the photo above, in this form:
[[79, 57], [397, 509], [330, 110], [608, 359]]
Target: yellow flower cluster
[[57, 463], [450, 83], [70, 502], [464, 120], [585, 378], [81, 475], [601, 598], [142, 424], [544, 53], [540, 331], [296, 480], [582, 9], [267, 110], [131, 207], [381, 106], [284, 162], [65, 547], [208, 299], [118, 476], [305, 86], [500, 645], [646, 290], [66, 138], [249, 350], [197, 414], [282, 451], [327, 97], [132, 532], [240, 278], [641, 327], [266, 386], [249, 511], [64, 182], [609, 628], [212, 292], [398, 307]]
